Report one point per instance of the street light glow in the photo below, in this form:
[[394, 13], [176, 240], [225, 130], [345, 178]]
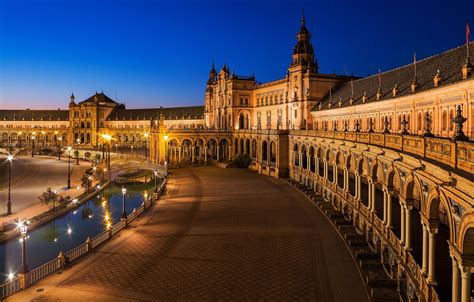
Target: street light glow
[[10, 157], [165, 137]]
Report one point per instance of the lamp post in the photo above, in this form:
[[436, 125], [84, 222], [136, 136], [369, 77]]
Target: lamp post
[[78, 141], [23, 232], [33, 145], [146, 144], [156, 175], [60, 147], [165, 137], [9, 202], [124, 191], [69, 167], [19, 140]]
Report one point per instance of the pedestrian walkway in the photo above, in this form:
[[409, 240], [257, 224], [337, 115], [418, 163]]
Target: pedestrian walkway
[[219, 234]]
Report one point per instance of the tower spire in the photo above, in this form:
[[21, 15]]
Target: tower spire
[[302, 18]]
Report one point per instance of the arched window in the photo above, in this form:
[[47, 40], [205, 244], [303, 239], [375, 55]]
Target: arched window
[[82, 124], [419, 122], [88, 138], [254, 149], [264, 151], [444, 121], [88, 124], [451, 116]]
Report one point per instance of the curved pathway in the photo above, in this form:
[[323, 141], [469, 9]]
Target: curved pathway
[[220, 234]]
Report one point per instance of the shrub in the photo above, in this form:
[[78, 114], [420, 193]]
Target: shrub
[[242, 161]]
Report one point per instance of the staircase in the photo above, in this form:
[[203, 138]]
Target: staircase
[[379, 286]]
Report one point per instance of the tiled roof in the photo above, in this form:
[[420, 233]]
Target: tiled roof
[[449, 64], [100, 98], [34, 115], [194, 112]]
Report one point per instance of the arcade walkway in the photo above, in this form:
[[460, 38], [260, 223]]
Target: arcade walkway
[[220, 234]]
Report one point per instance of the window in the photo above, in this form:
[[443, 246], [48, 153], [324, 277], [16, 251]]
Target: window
[[296, 114], [444, 121]]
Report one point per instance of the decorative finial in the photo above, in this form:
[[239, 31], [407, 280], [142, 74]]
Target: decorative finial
[[371, 125], [386, 123], [403, 124], [427, 130], [459, 120]]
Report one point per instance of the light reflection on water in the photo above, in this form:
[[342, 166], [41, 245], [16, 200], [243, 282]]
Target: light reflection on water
[[70, 230]]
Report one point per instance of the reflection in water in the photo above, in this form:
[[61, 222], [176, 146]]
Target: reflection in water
[[70, 230]]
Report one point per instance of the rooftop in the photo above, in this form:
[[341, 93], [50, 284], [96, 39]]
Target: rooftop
[[448, 63]]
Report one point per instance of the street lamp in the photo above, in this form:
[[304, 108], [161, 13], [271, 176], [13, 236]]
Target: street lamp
[[69, 167], [9, 203], [124, 191], [165, 137], [19, 140], [156, 175], [60, 147], [33, 145], [78, 141], [23, 231], [146, 144]]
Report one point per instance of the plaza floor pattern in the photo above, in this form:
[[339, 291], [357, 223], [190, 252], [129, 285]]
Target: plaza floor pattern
[[219, 234]]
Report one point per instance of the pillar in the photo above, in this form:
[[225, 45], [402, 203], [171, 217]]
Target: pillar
[[408, 228], [372, 196], [384, 190], [465, 284], [230, 152], [403, 222], [218, 151], [335, 173], [431, 255], [456, 289], [357, 178], [424, 265], [325, 169], [389, 210], [346, 180], [193, 152], [205, 154], [316, 167], [179, 154]]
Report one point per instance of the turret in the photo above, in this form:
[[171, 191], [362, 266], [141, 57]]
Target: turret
[[303, 51]]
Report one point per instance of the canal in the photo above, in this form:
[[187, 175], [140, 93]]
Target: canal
[[72, 229]]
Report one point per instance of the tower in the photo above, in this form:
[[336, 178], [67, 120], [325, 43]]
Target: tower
[[303, 51]]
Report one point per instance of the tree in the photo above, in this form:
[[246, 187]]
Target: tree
[[86, 181], [49, 198]]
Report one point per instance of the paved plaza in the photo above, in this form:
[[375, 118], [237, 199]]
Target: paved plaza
[[31, 177], [219, 234]]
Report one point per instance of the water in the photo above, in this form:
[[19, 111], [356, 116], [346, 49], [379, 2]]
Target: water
[[64, 233]]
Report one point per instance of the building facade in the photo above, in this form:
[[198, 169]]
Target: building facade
[[392, 152]]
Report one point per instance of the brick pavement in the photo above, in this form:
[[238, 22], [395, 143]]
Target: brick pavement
[[220, 234]]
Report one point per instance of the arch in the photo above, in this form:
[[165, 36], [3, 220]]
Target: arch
[[264, 150], [253, 152], [296, 159], [247, 146], [273, 153], [244, 119]]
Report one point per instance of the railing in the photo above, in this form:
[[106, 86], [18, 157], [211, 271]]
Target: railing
[[77, 252], [9, 288], [97, 240], [15, 285], [42, 271]]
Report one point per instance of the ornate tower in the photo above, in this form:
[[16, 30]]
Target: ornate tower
[[303, 51]]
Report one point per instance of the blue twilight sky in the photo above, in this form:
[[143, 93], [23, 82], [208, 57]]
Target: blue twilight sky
[[158, 53]]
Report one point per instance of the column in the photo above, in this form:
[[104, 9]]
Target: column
[[372, 196], [384, 190], [179, 154], [408, 227], [218, 151], [403, 222], [316, 168], [193, 152], [424, 265], [369, 194], [335, 175], [300, 159], [389, 210], [456, 293], [205, 154], [230, 152], [431, 255], [325, 169], [357, 178], [346, 179], [465, 284]]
